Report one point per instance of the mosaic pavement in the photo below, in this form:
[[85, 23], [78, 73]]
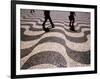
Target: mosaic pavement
[[58, 48]]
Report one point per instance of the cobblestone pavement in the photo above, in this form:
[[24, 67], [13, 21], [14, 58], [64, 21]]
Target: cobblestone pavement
[[58, 48]]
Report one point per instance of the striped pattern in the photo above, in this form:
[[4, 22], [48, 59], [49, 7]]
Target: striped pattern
[[58, 48]]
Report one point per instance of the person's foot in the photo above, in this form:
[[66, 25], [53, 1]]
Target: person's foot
[[53, 26], [72, 29], [46, 29], [43, 25]]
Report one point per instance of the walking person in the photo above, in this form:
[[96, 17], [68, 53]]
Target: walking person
[[32, 11], [47, 17], [72, 20]]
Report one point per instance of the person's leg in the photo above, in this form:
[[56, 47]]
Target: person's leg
[[73, 28], [51, 22], [44, 22], [70, 24], [44, 28], [73, 22]]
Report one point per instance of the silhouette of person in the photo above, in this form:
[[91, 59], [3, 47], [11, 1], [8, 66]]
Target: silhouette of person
[[72, 20], [47, 17], [32, 11]]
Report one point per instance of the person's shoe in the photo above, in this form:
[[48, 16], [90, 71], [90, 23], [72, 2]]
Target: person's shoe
[[53, 26], [72, 29], [46, 29], [43, 25]]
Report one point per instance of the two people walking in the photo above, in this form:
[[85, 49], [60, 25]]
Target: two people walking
[[47, 17]]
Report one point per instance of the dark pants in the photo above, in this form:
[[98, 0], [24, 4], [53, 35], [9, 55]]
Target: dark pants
[[71, 23], [48, 18]]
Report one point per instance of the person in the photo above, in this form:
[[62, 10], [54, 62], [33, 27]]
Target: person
[[32, 11], [47, 17], [72, 20]]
